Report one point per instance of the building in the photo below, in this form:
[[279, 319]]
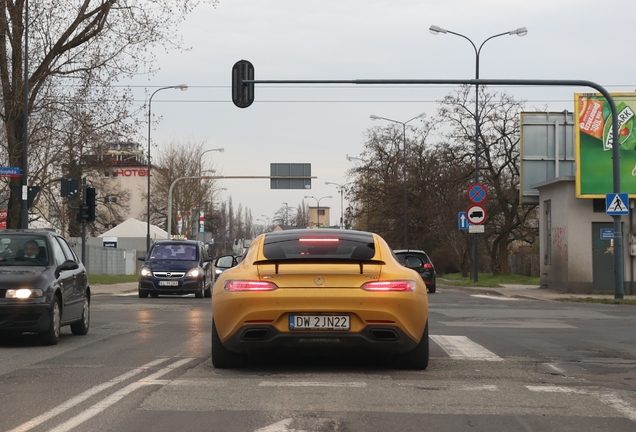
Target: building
[[319, 216]]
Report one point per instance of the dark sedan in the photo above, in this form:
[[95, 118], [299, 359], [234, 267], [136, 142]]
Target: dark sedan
[[176, 267], [419, 261], [43, 286]]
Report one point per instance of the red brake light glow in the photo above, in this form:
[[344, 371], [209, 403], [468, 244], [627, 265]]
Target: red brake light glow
[[384, 286], [428, 265], [249, 286], [319, 240]]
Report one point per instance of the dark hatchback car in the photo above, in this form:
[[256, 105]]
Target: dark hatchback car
[[419, 261], [43, 286], [176, 267]]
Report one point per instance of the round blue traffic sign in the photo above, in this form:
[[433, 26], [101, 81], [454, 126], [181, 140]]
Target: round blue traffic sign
[[477, 193]]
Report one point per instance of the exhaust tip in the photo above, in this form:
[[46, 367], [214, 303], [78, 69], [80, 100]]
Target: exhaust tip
[[255, 334], [384, 335]]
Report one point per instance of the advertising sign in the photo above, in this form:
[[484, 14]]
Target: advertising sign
[[593, 144], [3, 219]]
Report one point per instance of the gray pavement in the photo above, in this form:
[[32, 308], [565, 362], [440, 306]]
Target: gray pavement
[[533, 292]]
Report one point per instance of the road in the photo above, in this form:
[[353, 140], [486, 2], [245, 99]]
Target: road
[[497, 364]]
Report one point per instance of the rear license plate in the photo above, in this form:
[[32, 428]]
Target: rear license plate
[[319, 322], [168, 283]]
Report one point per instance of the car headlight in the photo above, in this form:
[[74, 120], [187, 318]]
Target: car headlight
[[193, 272], [145, 271], [24, 293]]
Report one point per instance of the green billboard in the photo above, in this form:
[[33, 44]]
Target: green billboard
[[593, 144]]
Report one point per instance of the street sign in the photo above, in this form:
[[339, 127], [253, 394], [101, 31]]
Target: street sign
[[477, 193], [9, 171], [476, 229], [607, 233], [616, 204], [462, 221], [476, 214]]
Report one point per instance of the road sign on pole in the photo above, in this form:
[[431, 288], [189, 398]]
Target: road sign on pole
[[476, 214], [477, 193], [462, 221], [616, 204]]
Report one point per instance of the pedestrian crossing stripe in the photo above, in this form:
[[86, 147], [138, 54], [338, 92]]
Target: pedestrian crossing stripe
[[616, 204]]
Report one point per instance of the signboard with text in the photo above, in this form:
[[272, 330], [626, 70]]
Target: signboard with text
[[593, 144]]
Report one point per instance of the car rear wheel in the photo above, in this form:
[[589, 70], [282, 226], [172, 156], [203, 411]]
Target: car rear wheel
[[80, 328], [417, 358], [52, 335], [433, 287], [222, 357]]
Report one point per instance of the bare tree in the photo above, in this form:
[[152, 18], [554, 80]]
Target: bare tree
[[74, 46]]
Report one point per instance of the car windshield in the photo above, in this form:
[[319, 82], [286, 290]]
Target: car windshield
[[310, 244], [183, 252], [21, 250]]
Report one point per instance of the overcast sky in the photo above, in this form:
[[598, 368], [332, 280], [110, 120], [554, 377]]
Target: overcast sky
[[365, 39]]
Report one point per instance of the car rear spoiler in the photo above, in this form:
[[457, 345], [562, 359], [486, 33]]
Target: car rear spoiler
[[277, 262]]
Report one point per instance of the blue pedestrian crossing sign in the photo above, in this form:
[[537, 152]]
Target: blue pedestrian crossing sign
[[462, 221], [616, 204]]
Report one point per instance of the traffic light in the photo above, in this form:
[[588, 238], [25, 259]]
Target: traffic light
[[242, 94], [90, 204]]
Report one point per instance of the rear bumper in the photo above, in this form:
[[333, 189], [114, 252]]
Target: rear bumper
[[25, 317], [388, 339]]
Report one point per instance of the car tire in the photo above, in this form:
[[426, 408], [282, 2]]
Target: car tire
[[433, 287], [143, 294], [223, 358], [154, 294], [417, 358], [208, 292], [52, 335], [80, 328], [201, 291]]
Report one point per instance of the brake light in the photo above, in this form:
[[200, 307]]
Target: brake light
[[319, 240], [428, 265], [249, 286], [384, 286]]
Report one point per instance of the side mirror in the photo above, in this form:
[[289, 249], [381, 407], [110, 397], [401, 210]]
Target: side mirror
[[225, 261], [66, 265], [141, 258]]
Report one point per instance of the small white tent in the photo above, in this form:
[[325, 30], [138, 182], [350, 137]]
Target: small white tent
[[136, 228]]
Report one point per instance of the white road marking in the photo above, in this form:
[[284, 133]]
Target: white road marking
[[281, 426], [311, 384], [462, 348], [485, 387], [117, 396], [607, 398], [83, 396], [493, 297]]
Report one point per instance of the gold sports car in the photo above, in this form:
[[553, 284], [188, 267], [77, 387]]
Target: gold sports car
[[326, 288]]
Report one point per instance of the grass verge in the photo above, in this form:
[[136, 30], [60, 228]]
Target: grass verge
[[597, 300], [109, 280], [486, 280]]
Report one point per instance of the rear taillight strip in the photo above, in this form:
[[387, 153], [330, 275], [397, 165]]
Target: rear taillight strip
[[394, 285], [249, 286]]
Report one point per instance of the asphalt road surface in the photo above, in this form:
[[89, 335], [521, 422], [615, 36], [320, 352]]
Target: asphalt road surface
[[497, 364]]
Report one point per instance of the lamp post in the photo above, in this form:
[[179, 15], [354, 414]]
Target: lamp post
[[220, 150], [267, 218], [373, 117], [318, 206], [341, 190], [521, 31], [181, 87], [286, 207]]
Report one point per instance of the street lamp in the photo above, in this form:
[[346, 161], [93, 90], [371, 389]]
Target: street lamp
[[521, 31], [373, 117], [266, 217], [318, 206], [181, 87], [286, 207], [341, 190]]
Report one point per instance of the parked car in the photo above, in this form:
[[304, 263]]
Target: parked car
[[43, 286], [319, 289], [419, 261], [176, 267]]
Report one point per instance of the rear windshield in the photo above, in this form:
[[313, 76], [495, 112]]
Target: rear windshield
[[184, 252], [311, 244]]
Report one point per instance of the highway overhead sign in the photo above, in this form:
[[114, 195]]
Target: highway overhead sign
[[477, 193], [616, 204], [476, 214]]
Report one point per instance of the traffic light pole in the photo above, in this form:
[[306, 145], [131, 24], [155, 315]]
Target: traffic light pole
[[243, 96]]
